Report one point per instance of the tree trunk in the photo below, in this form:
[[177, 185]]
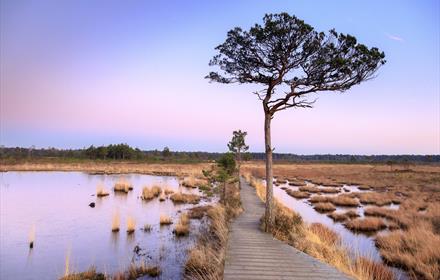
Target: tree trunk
[[269, 218], [238, 169]]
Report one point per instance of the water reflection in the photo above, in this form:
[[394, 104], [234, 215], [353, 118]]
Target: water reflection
[[57, 203]]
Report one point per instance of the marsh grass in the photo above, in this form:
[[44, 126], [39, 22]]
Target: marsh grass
[[198, 212], [366, 224], [396, 249], [298, 194], [101, 191], [122, 185], [131, 225], [309, 188], [90, 274], [345, 200], [320, 198], [148, 193], [165, 220], [185, 198], [324, 244], [193, 182], [324, 207], [137, 271], [182, 226], [168, 191], [116, 221], [162, 196]]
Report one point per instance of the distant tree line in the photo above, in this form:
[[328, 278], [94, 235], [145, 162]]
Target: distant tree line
[[125, 152]]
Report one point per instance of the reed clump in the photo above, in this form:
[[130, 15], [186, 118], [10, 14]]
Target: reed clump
[[198, 212], [185, 198], [182, 226], [320, 198], [297, 194], [345, 200], [309, 188], [324, 207], [122, 185], [366, 224], [192, 182], [131, 225], [90, 274], [165, 220], [137, 271], [148, 193], [116, 222], [101, 191]]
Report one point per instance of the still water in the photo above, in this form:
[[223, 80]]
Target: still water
[[56, 205]]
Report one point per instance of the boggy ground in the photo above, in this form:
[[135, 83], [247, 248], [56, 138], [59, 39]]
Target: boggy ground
[[414, 236]]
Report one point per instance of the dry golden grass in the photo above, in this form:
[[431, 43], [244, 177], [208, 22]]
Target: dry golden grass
[[131, 225], [137, 271], [149, 193], [101, 191], [206, 260], [115, 222], [182, 226], [309, 188], [329, 190], [344, 200], [198, 212], [90, 274], [122, 185], [165, 220], [320, 198], [165, 169], [193, 182], [322, 243], [379, 199], [162, 196], [366, 224], [338, 217], [297, 194], [185, 198], [397, 249], [324, 207], [168, 191]]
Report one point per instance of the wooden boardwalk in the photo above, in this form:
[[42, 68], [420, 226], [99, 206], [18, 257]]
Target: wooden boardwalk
[[253, 254]]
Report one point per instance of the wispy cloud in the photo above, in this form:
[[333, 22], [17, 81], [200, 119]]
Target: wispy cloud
[[394, 37]]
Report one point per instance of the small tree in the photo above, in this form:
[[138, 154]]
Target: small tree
[[291, 61], [238, 146], [226, 164], [166, 152]]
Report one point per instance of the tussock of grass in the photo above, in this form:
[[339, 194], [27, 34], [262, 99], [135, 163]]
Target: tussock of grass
[[168, 191], [198, 212], [131, 225], [309, 188], [329, 190], [150, 193], [344, 200], [324, 207], [90, 274], [182, 226], [342, 217], [165, 220], [137, 271], [281, 181], [185, 198], [147, 228], [162, 197], [320, 198], [115, 222], [379, 199], [297, 194], [397, 248], [192, 182], [101, 191], [123, 185], [366, 224]]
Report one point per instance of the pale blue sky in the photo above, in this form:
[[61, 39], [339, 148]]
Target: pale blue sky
[[76, 73]]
